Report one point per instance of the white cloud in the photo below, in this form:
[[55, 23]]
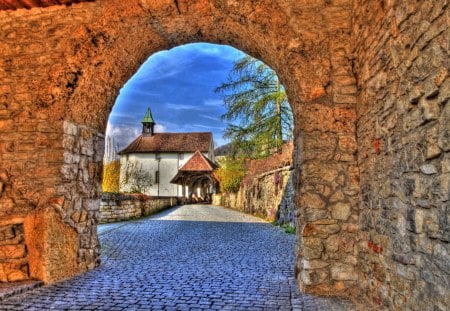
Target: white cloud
[[171, 127], [213, 102], [208, 126], [122, 134], [159, 128], [162, 65], [182, 107], [210, 117], [121, 115], [216, 50]]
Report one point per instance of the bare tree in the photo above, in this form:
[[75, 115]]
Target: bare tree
[[136, 179]]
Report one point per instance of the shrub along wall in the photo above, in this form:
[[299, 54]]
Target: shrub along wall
[[269, 195], [120, 207], [267, 191]]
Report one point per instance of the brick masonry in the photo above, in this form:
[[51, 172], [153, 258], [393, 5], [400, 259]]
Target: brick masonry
[[368, 84], [120, 207]]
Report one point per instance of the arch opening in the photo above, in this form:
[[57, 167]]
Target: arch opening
[[77, 92], [368, 83], [181, 86]]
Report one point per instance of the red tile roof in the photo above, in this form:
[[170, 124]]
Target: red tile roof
[[170, 142], [198, 162], [198, 167]]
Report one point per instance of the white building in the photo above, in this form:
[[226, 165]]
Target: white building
[[163, 154]]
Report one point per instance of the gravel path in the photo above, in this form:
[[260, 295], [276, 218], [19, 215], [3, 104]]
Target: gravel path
[[193, 257]]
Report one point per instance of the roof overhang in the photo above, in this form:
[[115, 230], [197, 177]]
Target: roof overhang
[[191, 177]]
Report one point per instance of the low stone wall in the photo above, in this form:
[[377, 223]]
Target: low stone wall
[[269, 195], [120, 207]]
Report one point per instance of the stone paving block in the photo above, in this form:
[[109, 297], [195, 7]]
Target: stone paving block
[[223, 260]]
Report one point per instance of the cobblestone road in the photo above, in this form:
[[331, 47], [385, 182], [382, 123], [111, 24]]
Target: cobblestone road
[[192, 257]]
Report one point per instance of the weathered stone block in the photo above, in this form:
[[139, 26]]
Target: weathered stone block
[[6, 126], [7, 232], [343, 272], [444, 191], [422, 243], [320, 230], [344, 99], [17, 275], [441, 253], [433, 149], [75, 216], [428, 169], [415, 220], [445, 164], [332, 244], [323, 143], [313, 277], [406, 272], [340, 211], [314, 264], [313, 248], [346, 243], [12, 251], [314, 214], [337, 196], [52, 246], [351, 228], [350, 259], [430, 109], [444, 129], [311, 200]]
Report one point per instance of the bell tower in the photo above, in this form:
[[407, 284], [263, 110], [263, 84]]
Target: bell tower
[[148, 124]]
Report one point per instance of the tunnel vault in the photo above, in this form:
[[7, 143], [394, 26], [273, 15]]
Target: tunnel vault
[[61, 68]]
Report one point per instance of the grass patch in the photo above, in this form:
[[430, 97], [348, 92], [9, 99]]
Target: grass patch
[[287, 227]]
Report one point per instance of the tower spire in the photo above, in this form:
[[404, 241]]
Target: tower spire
[[148, 124]]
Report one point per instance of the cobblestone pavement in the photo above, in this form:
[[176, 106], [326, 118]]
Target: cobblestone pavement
[[193, 257]]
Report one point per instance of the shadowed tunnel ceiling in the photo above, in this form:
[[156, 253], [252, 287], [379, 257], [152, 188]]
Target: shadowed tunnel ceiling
[[28, 4]]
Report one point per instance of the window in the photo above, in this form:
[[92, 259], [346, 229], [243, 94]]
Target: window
[[181, 156], [157, 156], [156, 177]]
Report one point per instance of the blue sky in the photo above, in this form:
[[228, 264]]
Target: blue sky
[[178, 85]]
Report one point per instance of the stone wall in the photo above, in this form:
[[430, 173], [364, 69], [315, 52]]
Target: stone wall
[[401, 62], [61, 68], [368, 85], [267, 190], [269, 195], [120, 207], [14, 263]]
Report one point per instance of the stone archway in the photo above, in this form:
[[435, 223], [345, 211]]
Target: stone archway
[[62, 66], [67, 74]]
